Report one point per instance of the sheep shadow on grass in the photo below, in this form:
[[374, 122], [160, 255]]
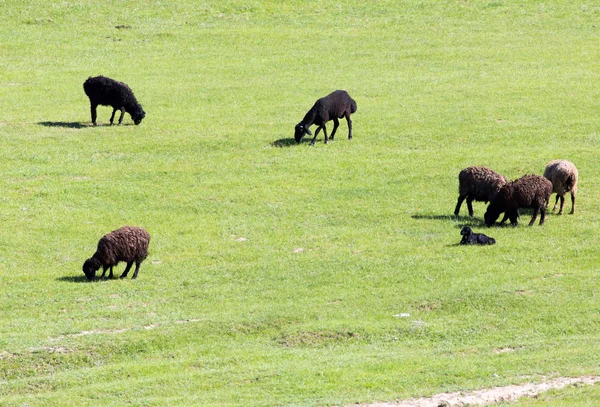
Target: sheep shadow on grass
[[290, 142], [460, 221], [284, 142], [73, 279], [69, 125], [79, 125]]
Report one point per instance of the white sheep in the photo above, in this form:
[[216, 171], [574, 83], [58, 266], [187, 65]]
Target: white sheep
[[563, 175]]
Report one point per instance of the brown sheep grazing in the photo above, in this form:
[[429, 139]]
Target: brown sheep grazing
[[477, 184], [563, 175], [129, 244], [529, 191]]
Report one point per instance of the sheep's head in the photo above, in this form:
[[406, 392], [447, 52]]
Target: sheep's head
[[492, 214], [466, 231], [300, 131], [90, 267], [138, 115]]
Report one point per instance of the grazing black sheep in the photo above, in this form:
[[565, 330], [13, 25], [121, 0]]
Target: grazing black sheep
[[468, 237], [108, 92], [477, 184], [334, 106], [128, 243], [529, 191]]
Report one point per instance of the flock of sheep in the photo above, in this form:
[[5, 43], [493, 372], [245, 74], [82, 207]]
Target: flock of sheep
[[130, 244], [529, 191]]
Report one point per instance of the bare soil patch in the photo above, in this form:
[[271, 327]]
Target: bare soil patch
[[494, 395]]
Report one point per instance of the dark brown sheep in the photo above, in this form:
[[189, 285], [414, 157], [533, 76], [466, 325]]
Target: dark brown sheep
[[477, 184], [334, 106], [529, 191], [129, 244], [108, 92]]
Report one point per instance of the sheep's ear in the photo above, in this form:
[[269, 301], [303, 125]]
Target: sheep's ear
[[307, 131]]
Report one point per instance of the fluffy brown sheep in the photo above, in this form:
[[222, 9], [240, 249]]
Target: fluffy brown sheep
[[129, 244], [477, 184], [334, 106], [563, 175], [529, 191]]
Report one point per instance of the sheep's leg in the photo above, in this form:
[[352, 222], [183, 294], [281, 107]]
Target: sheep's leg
[[325, 133], [122, 114], [458, 204], [572, 202], [103, 272], [336, 123], [543, 216], [562, 204], [514, 218], [94, 113], [112, 118], [505, 218], [555, 203], [110, 275], [536, 211], [312, 143], [129, 264], [137, 268], [470, 206], [349, 125]]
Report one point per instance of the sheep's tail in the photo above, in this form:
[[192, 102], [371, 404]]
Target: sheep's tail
[[352, 106], [569, 182]]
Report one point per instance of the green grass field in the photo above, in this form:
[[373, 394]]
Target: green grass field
[[283, 274]]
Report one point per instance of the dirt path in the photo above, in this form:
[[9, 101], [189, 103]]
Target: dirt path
[[490, 396]]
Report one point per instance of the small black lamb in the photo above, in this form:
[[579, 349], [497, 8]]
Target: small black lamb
[[108, 92], [468, 237], [334, 106], [529, 191], [128, 243]]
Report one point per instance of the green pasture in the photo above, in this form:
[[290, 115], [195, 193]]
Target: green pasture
[[282, 274]]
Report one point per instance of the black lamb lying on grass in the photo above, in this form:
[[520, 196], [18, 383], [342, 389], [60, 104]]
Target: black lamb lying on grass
[[468, 237], [108, 92], [529, 191], [334, 106], [129, 244]]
